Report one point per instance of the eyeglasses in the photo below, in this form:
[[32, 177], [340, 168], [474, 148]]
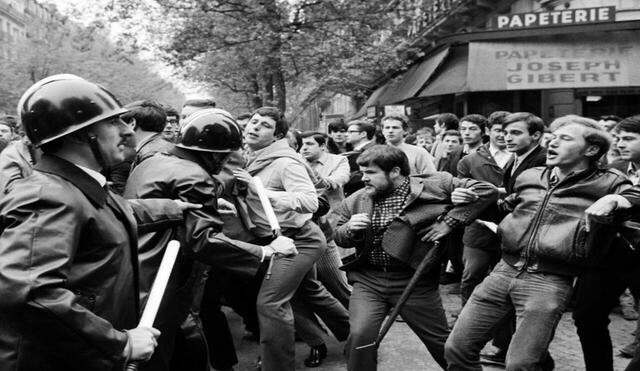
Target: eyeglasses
[[354, 131]]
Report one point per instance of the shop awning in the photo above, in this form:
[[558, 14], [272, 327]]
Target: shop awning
[[409, 83], [405, 86], [373, 100], [452, 76]]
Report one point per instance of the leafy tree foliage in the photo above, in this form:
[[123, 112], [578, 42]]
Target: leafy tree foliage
[[257, 51], [55, 47]]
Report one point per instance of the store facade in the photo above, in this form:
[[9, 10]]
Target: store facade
[[552, 60]]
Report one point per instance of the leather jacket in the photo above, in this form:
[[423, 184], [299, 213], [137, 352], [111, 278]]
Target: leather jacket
[[68, 271], [545, 231], [429, 198], [180, 174]]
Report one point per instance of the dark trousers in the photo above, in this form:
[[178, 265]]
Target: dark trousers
[[454, 251], [277, 340], [596, 294], [374, 294], [477, 265], [312, 299], [182, 341], [334, 280], [222, 353]]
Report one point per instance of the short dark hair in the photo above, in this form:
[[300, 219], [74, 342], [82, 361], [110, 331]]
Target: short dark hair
[[629, 124], [367, 127], [425, 131], [243, 116], [449, 120], [497, 118], [320, 138], [204, 102], [148, 115], [385, 157], [474, 118], [336, 126], [453, 133], [411, 139], [402, 118], [595, 134], [533, 122], [170, 111], [281, 124]]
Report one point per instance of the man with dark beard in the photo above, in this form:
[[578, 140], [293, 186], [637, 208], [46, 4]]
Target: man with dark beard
[[392, 222]]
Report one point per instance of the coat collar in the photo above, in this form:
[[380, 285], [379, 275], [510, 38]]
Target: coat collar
[[147, 140], [89, 186], [484, 151], [416, 184], [188, 155]]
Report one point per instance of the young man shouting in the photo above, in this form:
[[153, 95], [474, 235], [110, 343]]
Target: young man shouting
[[544, 247]]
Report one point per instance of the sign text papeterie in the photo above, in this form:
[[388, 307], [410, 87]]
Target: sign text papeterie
[[555, 18]]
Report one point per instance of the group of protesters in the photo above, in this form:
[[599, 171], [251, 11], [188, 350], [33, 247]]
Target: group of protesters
[[530, 219]]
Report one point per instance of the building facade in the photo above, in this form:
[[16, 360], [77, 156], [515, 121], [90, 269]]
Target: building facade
[[18, 19], [547, 57]]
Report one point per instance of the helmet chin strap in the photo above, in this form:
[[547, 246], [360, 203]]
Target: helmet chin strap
[[97, 154]]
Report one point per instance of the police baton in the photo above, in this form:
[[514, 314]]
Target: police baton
[[271, 218], [157, 290], [431, 258]]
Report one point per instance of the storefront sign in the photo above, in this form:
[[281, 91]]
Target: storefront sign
[[550, 65], [555, 18], [395, 110]]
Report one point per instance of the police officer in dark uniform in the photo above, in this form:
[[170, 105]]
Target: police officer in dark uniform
[[206, 140], [68, 245]]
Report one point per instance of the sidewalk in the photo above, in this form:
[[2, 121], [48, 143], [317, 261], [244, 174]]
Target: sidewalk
[[401, 350]]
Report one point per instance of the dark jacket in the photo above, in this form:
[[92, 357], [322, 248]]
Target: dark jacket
[[480, 165], [68, 271], [450, 163], [538, 157], [150, 146], [180, 174], [545, 231], [429, 198], [623, 255]]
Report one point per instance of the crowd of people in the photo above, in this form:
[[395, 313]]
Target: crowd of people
[[530, 219]]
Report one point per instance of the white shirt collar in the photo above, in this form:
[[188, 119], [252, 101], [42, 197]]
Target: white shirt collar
[[495, 150], [94, 174], [500, 156], [523, 156]]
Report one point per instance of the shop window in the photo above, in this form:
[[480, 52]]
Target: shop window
[[619, 105]]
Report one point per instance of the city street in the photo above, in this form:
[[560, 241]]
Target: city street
[[159, 159], [402, 351]]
